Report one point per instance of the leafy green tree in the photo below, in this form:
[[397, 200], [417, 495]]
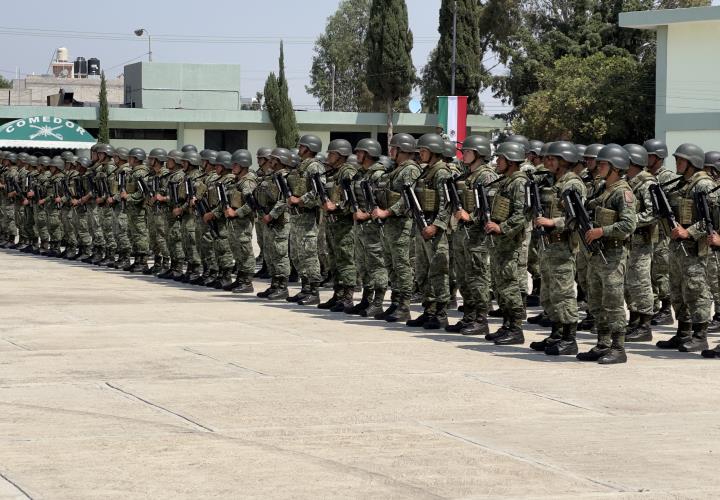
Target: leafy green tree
[[5, 83], [341, 54], [280, 108], [103, 127], [591, 99], [390, 71]]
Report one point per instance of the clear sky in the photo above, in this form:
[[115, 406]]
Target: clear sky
[[246, 33]]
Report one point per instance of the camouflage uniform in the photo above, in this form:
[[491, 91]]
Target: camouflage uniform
[[157, 221], [191, 227], [242, 226], [660, 270], [176, 250], [93, 214], [137, 216], [276, 233]]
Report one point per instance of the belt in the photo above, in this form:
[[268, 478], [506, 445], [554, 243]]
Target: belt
[[557, 237], [614, 243]]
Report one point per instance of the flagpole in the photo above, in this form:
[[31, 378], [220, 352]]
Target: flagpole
[[453, 65]]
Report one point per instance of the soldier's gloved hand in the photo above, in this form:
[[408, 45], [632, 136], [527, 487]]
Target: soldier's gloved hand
[[679, 233]]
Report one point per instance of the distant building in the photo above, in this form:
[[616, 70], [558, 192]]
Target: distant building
[[687, 91]]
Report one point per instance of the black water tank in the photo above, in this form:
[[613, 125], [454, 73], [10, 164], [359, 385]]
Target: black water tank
[[80, 67], [93, 66]]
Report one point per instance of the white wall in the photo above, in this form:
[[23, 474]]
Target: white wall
[[709, 140], [693, 69]]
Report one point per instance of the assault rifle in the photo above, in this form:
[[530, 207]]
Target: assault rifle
[[534, 203], [575, 209], [662, 208], [201, 207], [703, 211], [412, 203], [175, 196], [371, 201], [455, 201], [318, 187], [122, 180], [285, 192], [349, 196], [482, 206], [80, 191], [223, 197]]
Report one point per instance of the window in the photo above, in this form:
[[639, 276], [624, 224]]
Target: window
[[226, 140], [382, 139], [148, 134], [352, 137]]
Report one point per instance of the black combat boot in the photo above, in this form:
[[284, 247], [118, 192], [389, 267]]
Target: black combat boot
[[600, 350], [616, 354], [166, 274], [293, 278], [496, 313], [420, 320], [698, 342], [99, 256], [345, 300], [129, 265], [376, 304], [123, 261], [632, 322], [197, 277], [500, 332], [109, 260], [664, 315], [533, 300], [468, 317], [391, 308], [337, 290], [477, 327], [535, 320], [711, 353], [329, 280], [438, 319], [567, 345], [514, 335], [312, 298], [554, 337], [164, 266], [401, 313], [262, 273], [714, 325], [587, 323], [643, 331], [682, 335], [209, 280], [363, 304], [281, 289], [304, 290], [245, 284], [90, 256], [226, 281], [271, 289], [139, 265]]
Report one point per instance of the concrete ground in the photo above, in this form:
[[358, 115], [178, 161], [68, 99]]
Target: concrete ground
[[115, 385]]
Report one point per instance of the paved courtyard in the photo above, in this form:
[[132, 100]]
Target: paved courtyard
[[115, 385]]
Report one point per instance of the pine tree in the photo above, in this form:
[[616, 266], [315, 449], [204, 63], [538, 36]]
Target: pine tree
[[280, 108], [469, 72], [390, 71], [103, 128]]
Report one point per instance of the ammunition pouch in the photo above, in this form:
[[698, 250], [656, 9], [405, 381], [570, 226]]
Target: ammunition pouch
[[336, 195], [236, 199], [428, 199], [182, 192], [685, 211], [213, 198], [131, 187], [500, 209], [647, 234], [605, 216], [201, 190], [297, 185]]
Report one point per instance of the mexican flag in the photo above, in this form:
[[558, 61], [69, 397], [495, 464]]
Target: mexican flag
[[452, 116]]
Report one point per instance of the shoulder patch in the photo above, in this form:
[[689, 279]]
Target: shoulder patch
[[629, 198]]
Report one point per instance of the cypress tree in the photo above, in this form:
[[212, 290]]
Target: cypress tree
[[103, 128], [390, 71], [280, 108]]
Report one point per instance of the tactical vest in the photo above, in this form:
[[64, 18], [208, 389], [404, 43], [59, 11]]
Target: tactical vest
[[425, 190], [385, 193], [607, 216], [297, 183], [466, 187], [651, 232], [502, 204], [684, 202]]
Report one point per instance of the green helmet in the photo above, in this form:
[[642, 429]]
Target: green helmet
[[105, 148], [137, 153], [312, 142], [263, 153], [296, 160], [11, 157], [692, 153], [176, 155], [511, 151], [386, 162], [192, 157], [520, 139], [565, 150], [44, 161], [32, 161], [208, 154], [638, 154], [352, 159], [223, 159], [83, 162], [242, 157], [370, 146], [58, 163], [283, 155], [544, 150], [122, 153], [580, 148], [321, 157], [592, 150], [615, 155], [22, 156], [158, 154], [67, 155], [403, 142], [450, 149], [432, 142], [478, 143], [535, 146], [712, 159], [656, 147], [188, 147], [340, 146]]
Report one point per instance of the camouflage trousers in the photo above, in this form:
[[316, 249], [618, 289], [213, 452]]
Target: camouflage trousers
[[370, 255], [638, 279], [660, 271], [29, 223], [66, 217], [397, 243], [276, 248], [472, 269], [106, 214], [241, 245], [204, 239], [20, 222], [522, 266], [432, 267], [303, 245], [689, 289], [138, 229], [157, 231], [557, 272], [94, 225], [713, 277], [10, 225], [55, 229], [505, 259], [221, 246], [189, 236], [533, 262], [325, 255], [581, 268], [41, 227], [175, 240], [606, 287], [342, 247], [120, 228], [80, 224]]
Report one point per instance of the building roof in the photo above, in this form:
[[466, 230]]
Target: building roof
[[651, 19]]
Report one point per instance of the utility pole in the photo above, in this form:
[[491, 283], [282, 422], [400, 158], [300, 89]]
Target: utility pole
[[453, 64], [332, 102]]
